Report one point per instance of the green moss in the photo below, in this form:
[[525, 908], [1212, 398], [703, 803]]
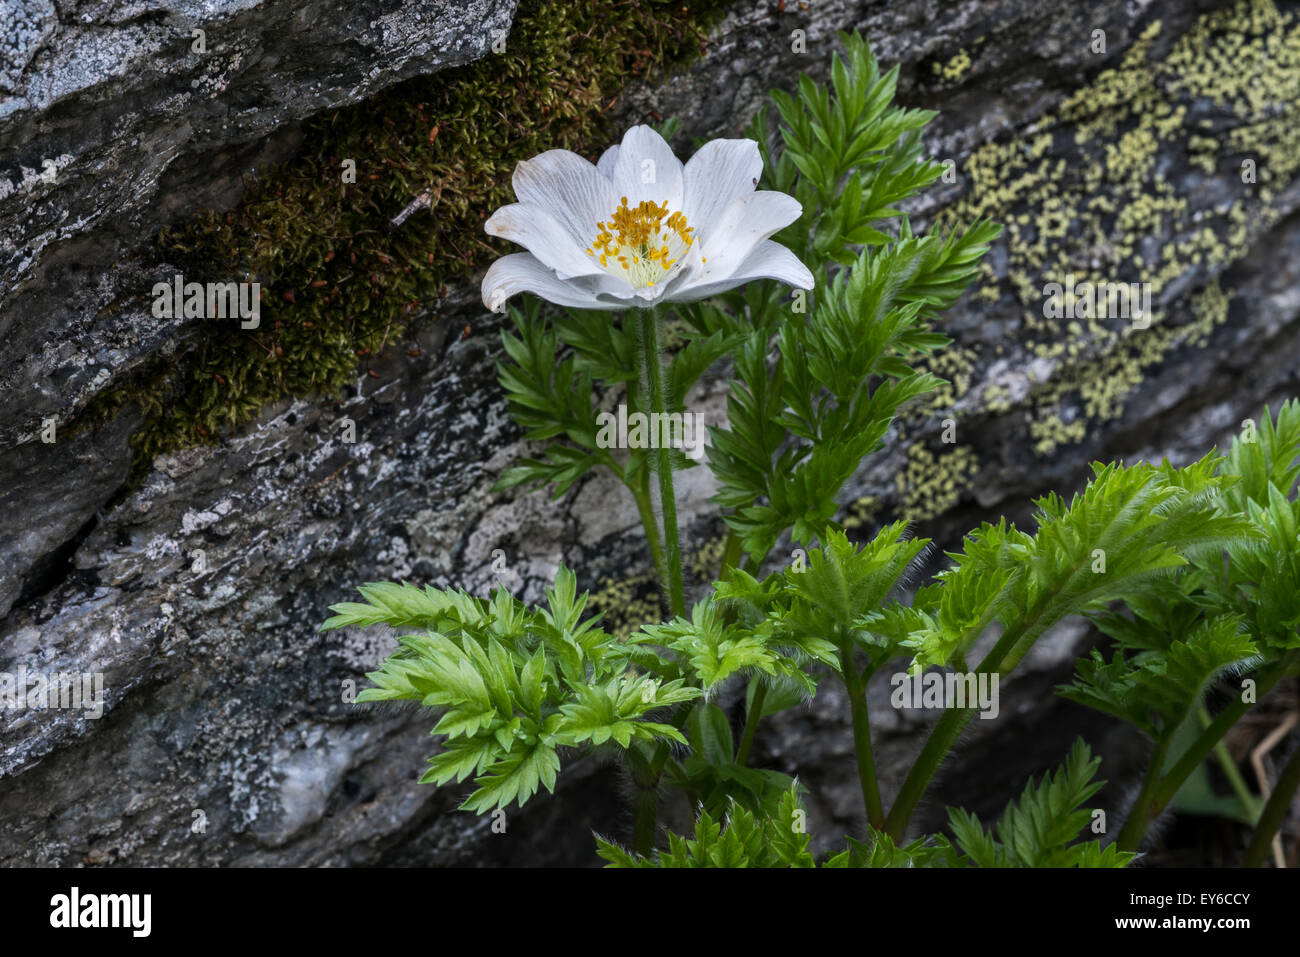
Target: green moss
[[336, 286]]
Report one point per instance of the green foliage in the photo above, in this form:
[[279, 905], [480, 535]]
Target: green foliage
[[1041, 830], [1130, 529], [880, 850], [1261, 583], [742, 839], [803, 415], [1231, 609], [1156, 688], [848, 153], [549, 397], [832, 601], [711, 648], [1227, 610], [1038, 830], [739, 837], [511, 684], [715, 779], [814, 390]]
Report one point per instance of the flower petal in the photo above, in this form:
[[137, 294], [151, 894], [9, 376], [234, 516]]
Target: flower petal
[[645, 168], [606, 162], [524, 272], [742, 226], [538, 231], [720, 172], [568, 187], [768, 260]]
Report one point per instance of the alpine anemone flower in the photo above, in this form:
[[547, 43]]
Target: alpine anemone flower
[[639, 228]]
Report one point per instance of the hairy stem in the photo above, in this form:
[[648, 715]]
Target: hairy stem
[[950, 726], [644, 508], [644, 823], [652, 374], [1222, 722], [857, 689], [752, 718], [661, 755], [1140, 817], [1145, 807], [645, 803], [731, 555], [1270, 819], [940, 742]]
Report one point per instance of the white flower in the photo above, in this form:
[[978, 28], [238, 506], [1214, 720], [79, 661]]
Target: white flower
[[640, 228]]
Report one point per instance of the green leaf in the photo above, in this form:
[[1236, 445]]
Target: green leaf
[[740, 839], [709, 732], [515, 778], [1038, 831], [715, 649]]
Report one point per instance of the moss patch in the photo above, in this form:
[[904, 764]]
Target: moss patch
[[337, 285]]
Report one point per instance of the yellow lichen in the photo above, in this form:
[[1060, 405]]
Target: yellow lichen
[[931, 484], [1087, 194], [955, 68]]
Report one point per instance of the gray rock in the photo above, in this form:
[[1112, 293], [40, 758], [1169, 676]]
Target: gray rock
[[227, 737], [112, 123]]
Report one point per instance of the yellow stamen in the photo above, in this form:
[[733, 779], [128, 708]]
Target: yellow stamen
[[646, 241]]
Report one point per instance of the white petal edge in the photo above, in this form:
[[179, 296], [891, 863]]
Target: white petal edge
[[720, 172], [524, 272], [606, 162], [568, 187], [742, 226], [768, 260], [538, 231], [645, 154]]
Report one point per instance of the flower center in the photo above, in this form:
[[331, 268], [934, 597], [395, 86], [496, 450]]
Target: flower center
[[644, 242]]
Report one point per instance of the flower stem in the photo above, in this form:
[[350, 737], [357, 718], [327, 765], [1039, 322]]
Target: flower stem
[[1274, 813], [857, 689], [643, 823], [940, 742], [652, 373], [1224, 720], [644, 508], [752, 718], [1146, 806], [645, 802]]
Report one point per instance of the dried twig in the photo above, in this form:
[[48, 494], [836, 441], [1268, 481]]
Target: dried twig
[[426, 200], [1271, 741]]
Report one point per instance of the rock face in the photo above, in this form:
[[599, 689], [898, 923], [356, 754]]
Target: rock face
[[117, 117], [226, 736]]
